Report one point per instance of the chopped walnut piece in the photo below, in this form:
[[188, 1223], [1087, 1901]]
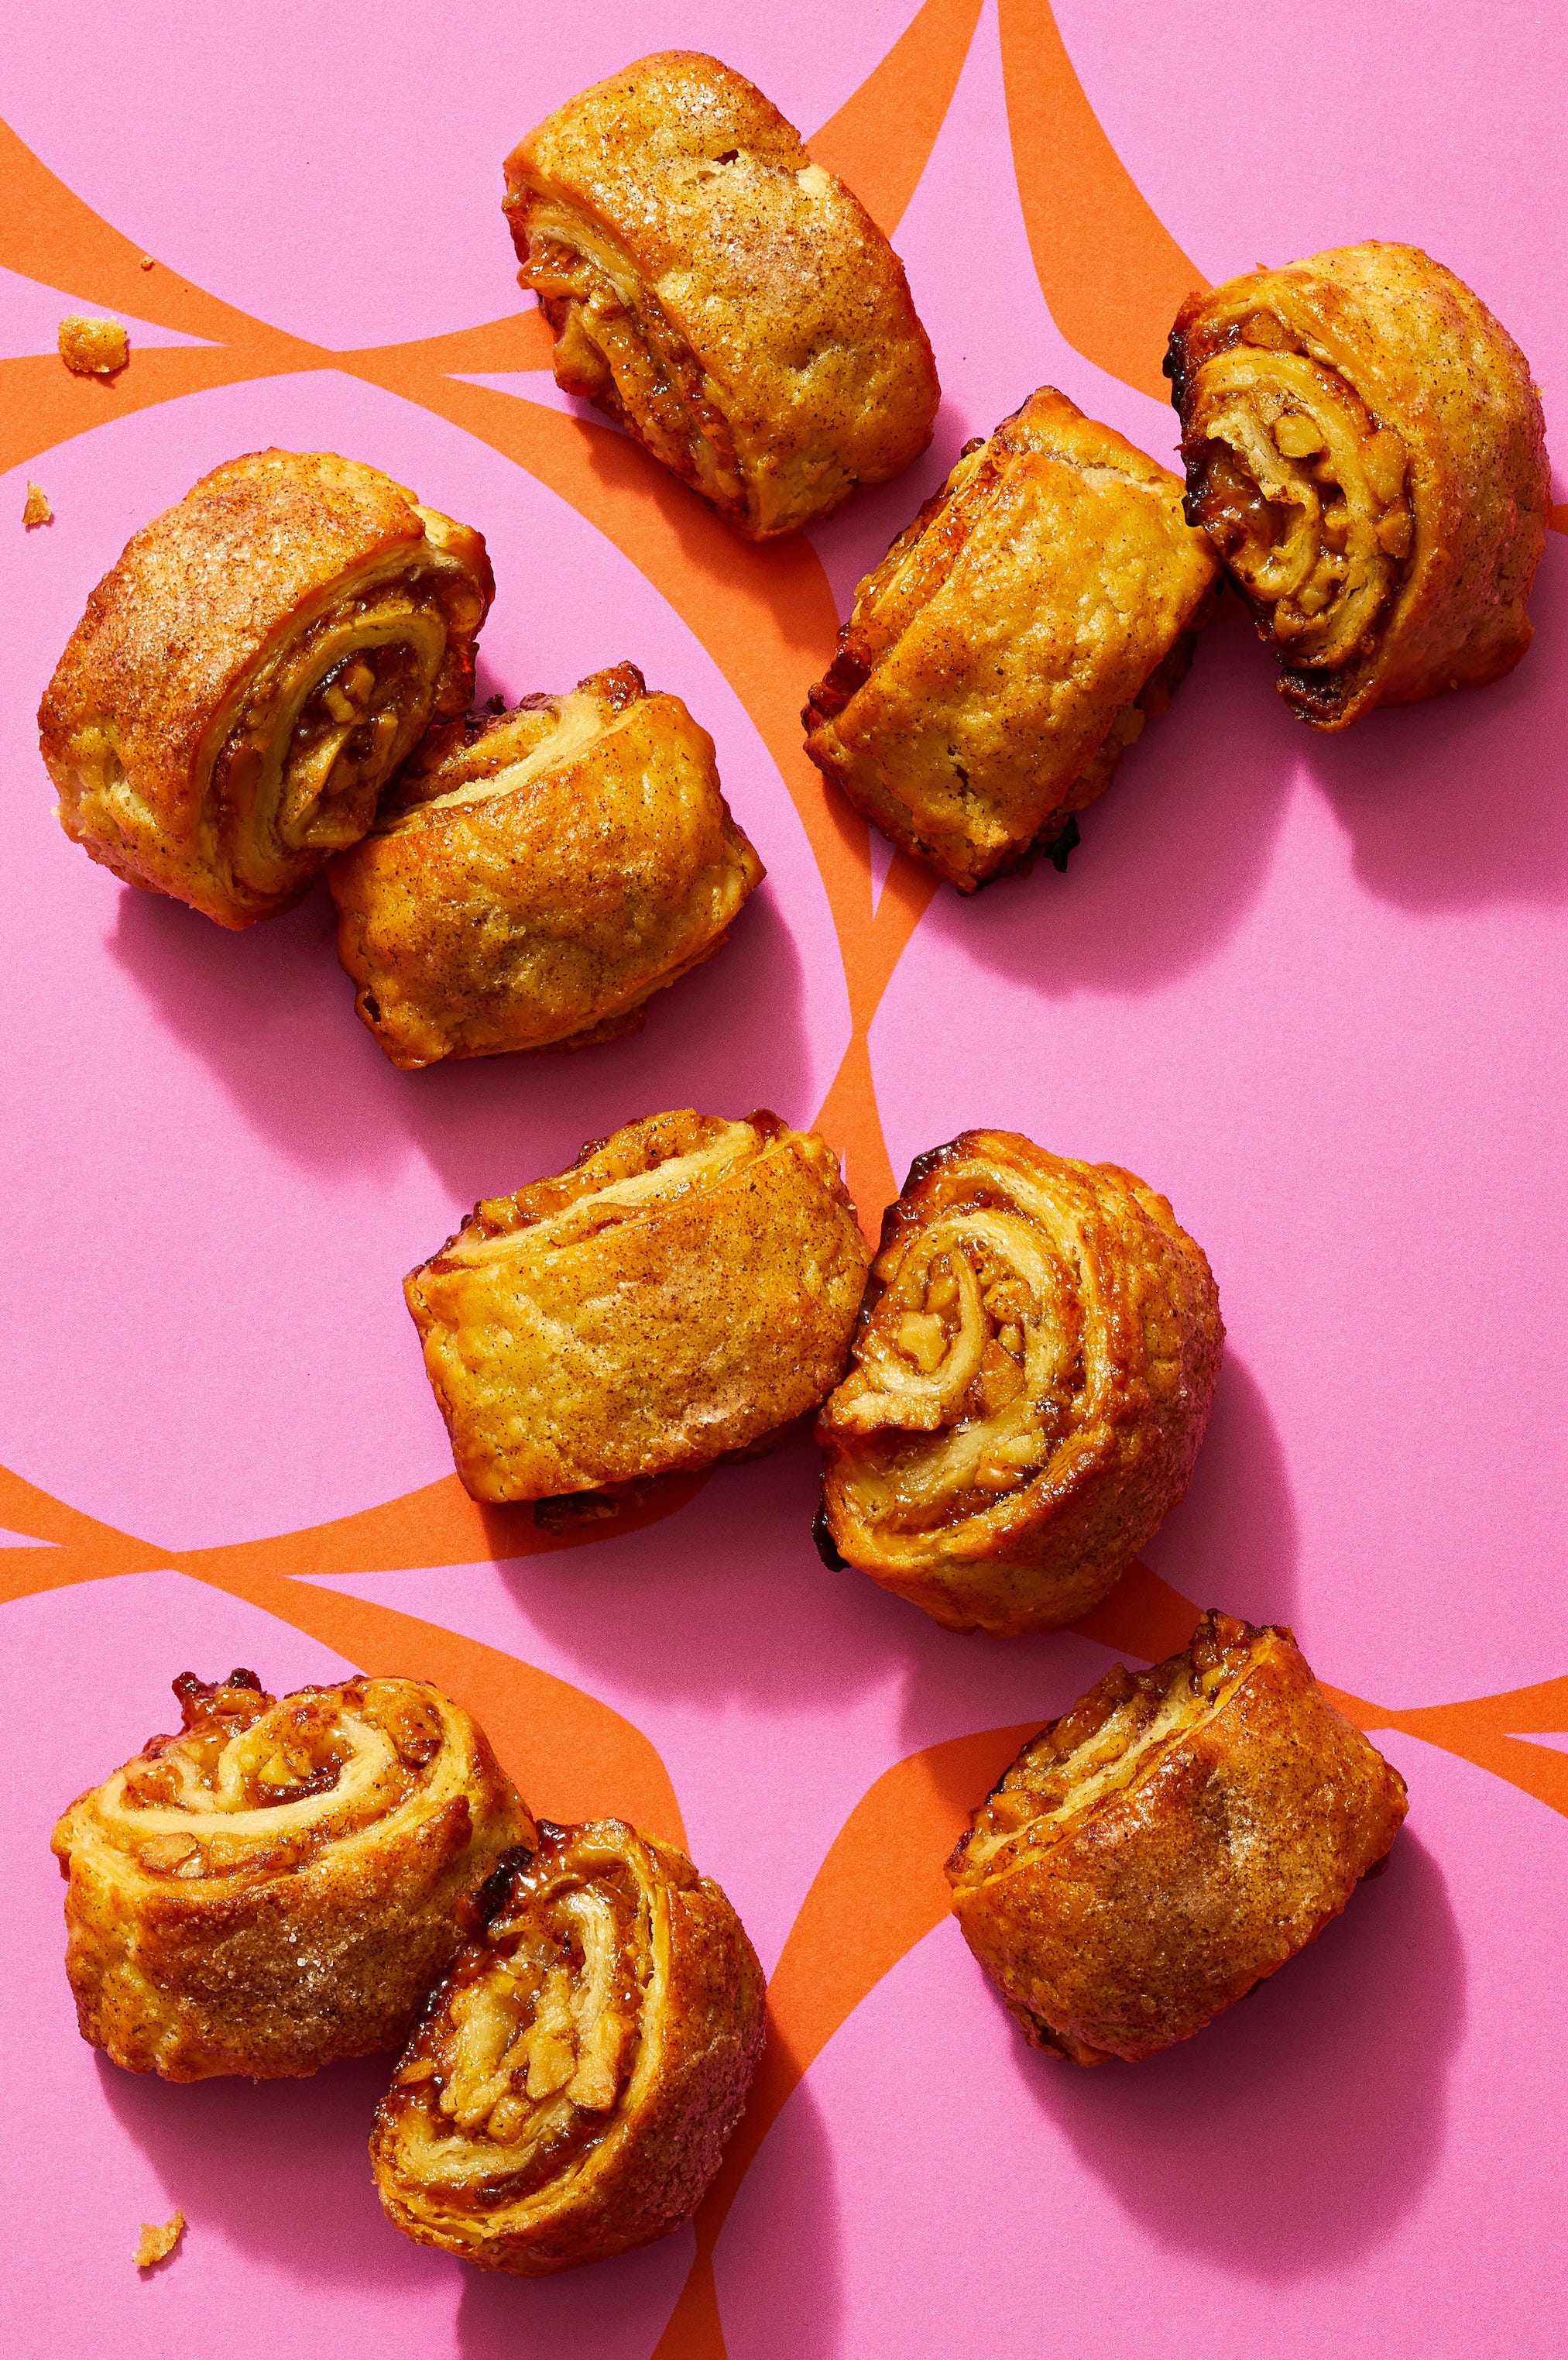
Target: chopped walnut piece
[[36, 509], [93, 347], [157, 2243]]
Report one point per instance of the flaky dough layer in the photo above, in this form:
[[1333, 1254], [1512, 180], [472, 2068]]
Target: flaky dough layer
[[1175, 1838], [725, 299], [568, 2092], [541, 882], [684, 1291], [1013, 643], [253, 671], [273, 1886], [1032, 1377], [1365, 447]]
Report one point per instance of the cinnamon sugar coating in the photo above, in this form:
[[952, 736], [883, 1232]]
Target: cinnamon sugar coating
[[1032, 1376], [1013, 643], [569, 2090], [533, 890], [683, 1291], [1176, 1837], [1366, 450], [250, 673], [273, 1886], [724, 298]]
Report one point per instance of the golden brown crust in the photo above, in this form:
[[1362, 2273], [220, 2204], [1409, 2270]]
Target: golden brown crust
[[724, 298], [1012, 643], [683, 1291], [250, 673], [1175, 1838], [275, 1886], [1032, 1377], [1365, 447], [568, 2092], [572, 858]]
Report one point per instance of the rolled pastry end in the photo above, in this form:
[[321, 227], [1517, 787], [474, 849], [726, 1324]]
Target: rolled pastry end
[[719, 294], [569, 2090], [273, 1886], [1175, 1838], [1366, 451], [1016, 639], [680, 1294], [536, 887], [251, 673], [1030, 1379]]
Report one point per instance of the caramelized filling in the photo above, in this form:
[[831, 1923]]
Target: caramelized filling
[[518, 2075], [1302, 491], [256, 1785], [616, 347], [968, 1370]]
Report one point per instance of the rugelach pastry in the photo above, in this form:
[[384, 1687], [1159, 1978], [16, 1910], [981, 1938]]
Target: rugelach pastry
[[1032, 1377], [721, 296], [275, 1885], [1012, 644], [682, 1293], [1366, 450], [569, 2087], [1175, 1838], [536, 887], [251, 673]]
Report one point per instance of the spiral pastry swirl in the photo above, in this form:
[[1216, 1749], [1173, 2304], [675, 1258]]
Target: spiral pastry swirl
[[244, 681], [1029, 1383], [534, 888], [727, 299], [273, 1886], [569, 2090], [1366, 450], [1176, 1837]]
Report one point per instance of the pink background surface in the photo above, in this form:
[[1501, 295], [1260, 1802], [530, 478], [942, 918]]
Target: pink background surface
[[1312, 988]]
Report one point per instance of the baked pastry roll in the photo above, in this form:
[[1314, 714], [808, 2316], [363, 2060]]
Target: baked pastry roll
[[569, 2087], [721, 296], [683, 1292], [1013, 642], [1366, 450], [1032, 1377], [533, 890], [1176, 1837], [275, 1886], [250, 675]]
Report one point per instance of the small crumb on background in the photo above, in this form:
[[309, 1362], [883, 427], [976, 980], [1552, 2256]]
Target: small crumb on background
[[146, 262], [38, 509], [156, 2243], [93, 347]]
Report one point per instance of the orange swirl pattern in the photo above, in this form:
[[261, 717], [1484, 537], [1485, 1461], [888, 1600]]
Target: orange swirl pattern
[[1112, 277]]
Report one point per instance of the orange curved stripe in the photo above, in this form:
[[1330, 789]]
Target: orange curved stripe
[[879, 141], [1112, 274], [43, 403], [437, 1525], [47, 232]]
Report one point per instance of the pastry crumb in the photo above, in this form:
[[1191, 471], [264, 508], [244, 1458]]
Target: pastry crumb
[[158, 2241], [93, 347], [36, 509], [146, 262]]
